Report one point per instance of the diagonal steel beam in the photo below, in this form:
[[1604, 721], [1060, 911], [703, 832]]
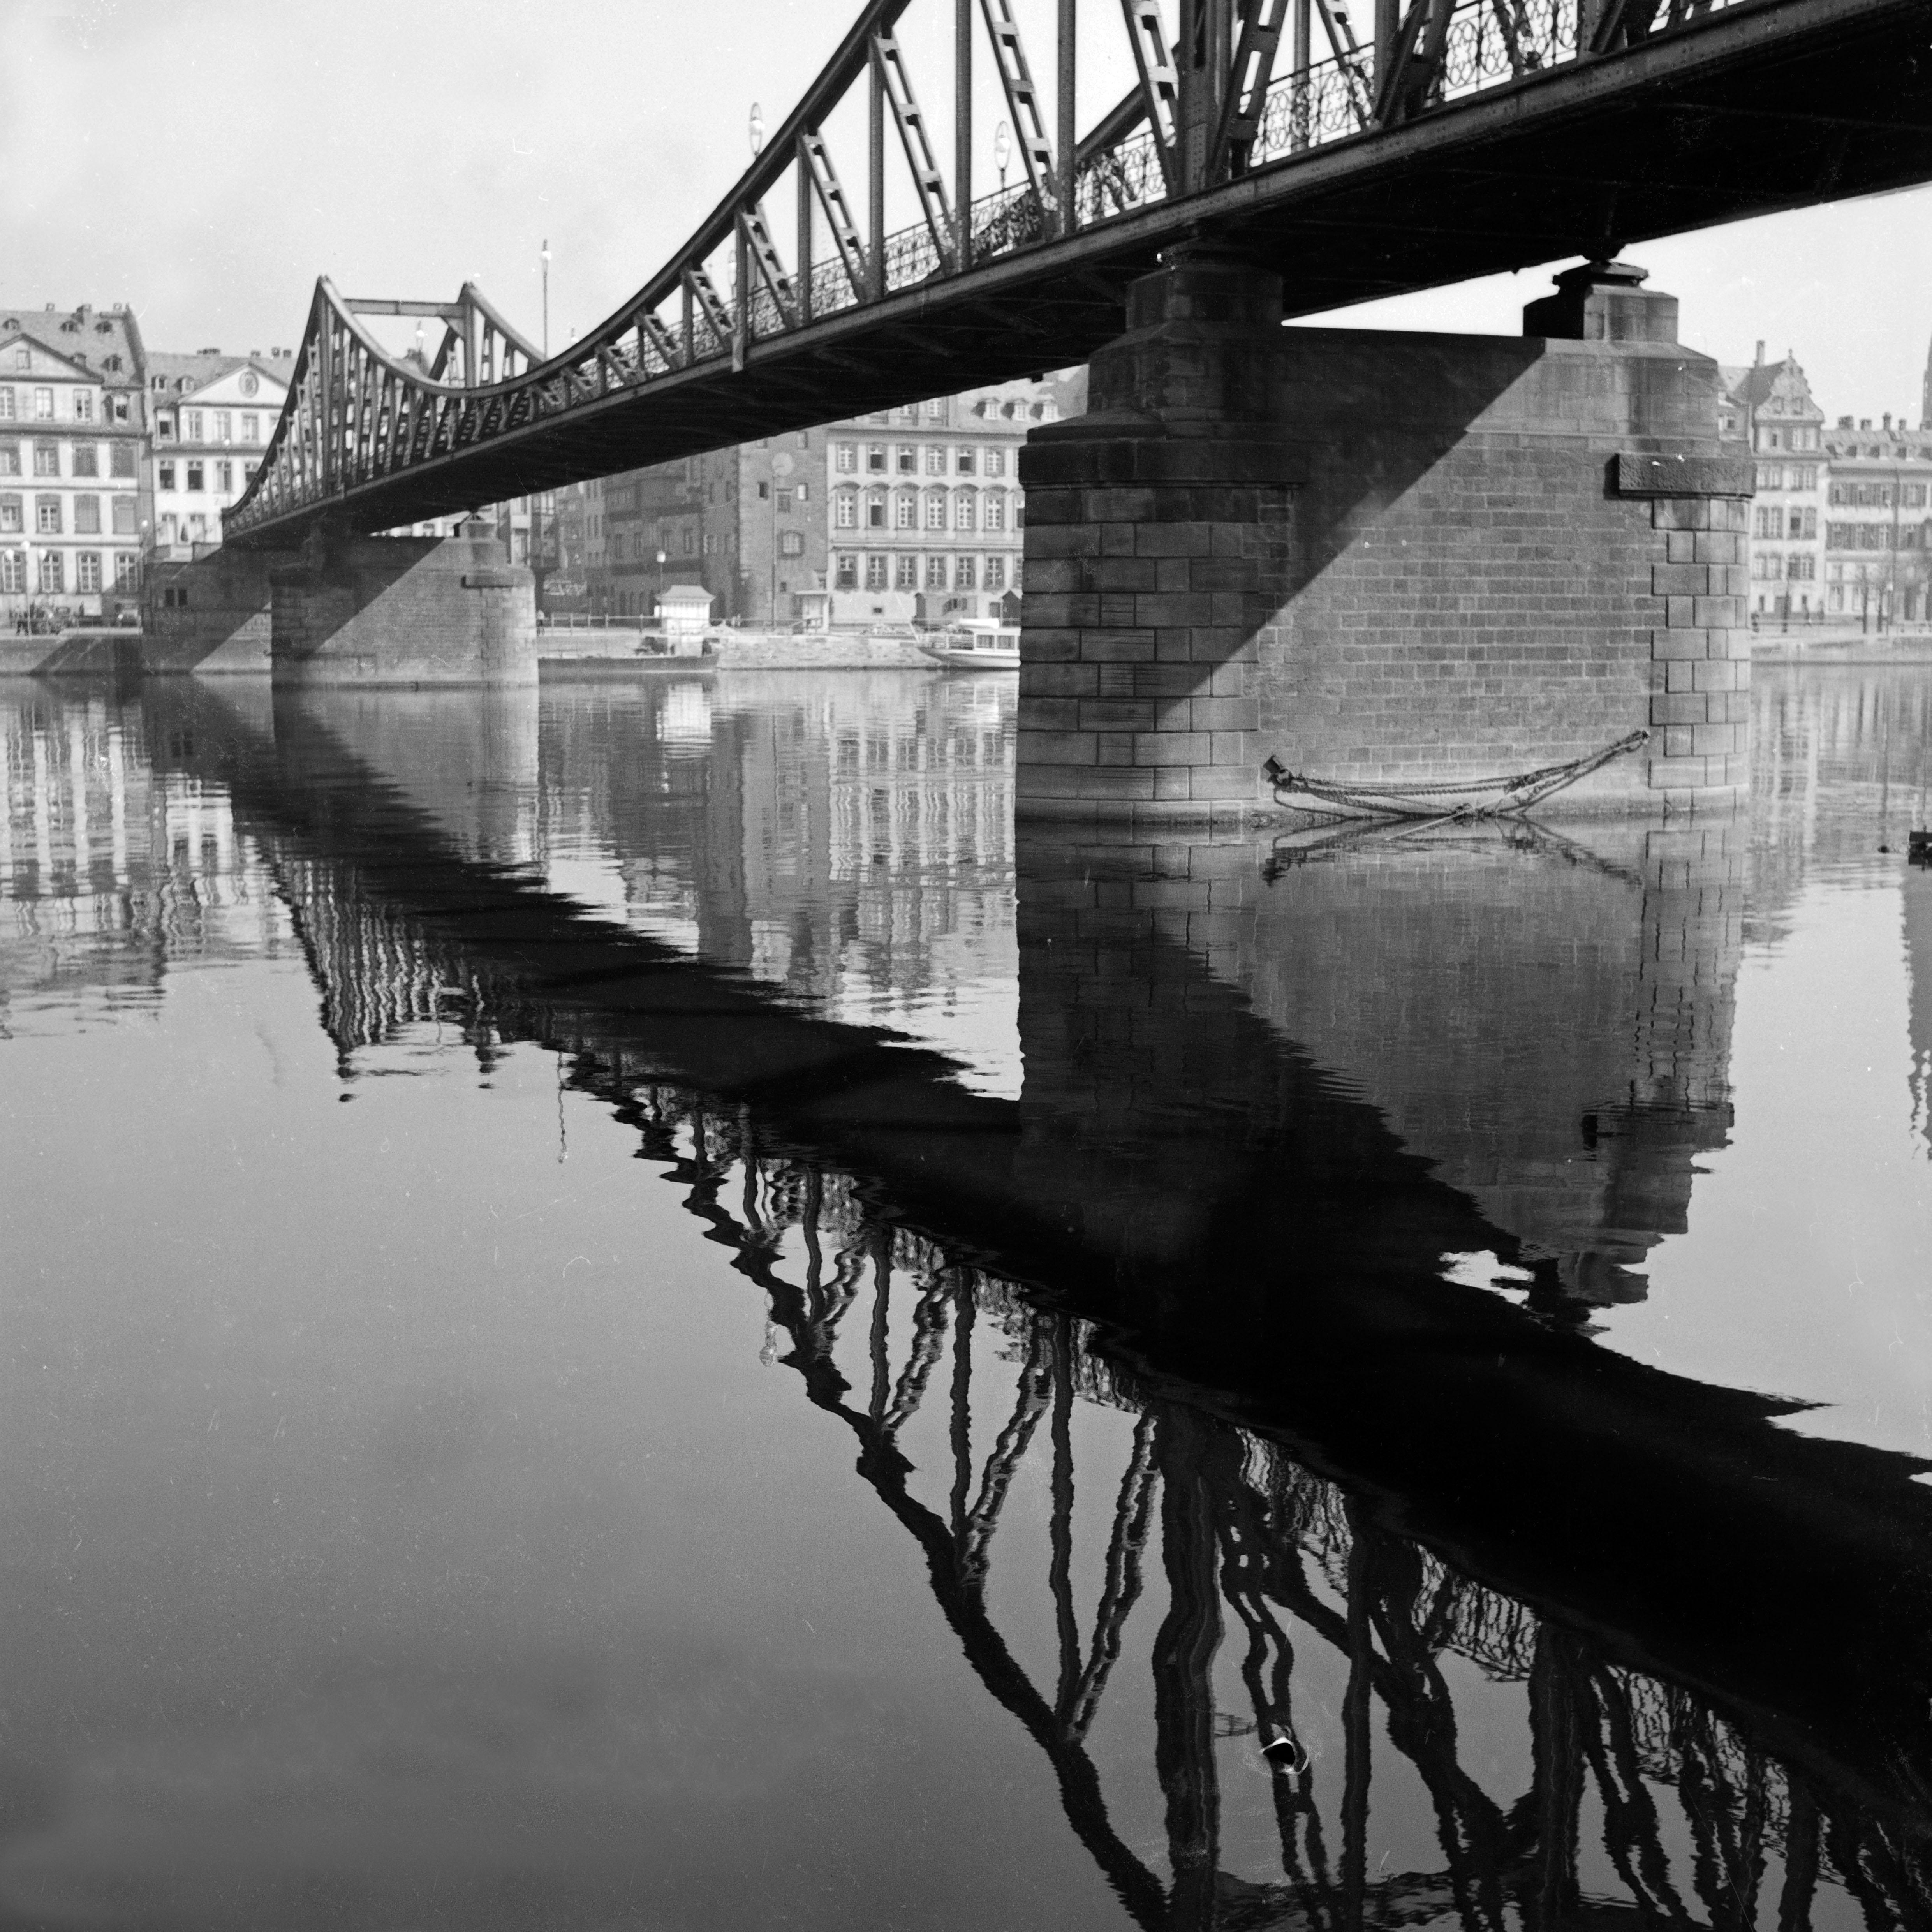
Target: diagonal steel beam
[[816, 158], [1160, 84], [1022, 97], [915, 139], [1248, 78]]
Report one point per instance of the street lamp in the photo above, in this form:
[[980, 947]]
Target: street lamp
[[543, 255], [755, 127], [1002, 152]]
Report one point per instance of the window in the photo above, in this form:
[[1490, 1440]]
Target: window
[[1767, 521], [120, 459], [875, 458], [1801, 523], [996, 510], [845, 575], [13, 572], [10, 459], [6, 402], [1804, 476], [126, 568], [223, 426], [1804, 566], [195, 473], [86, 460], [1913, 496], [804, 492], [23, 357], [935, 510], [87, 516], [251, 428], [875, 573], [846, 514], [909, 413], [905, 572], [248, 470], [905, 511], [124, 516], [935, 459], [875, 510], [47, 515], [792, 544], [83, 405], [191, 425], [10, 514], [120, 408], [87, 572], [935, 571], [47, 459], [764, 493], [935, 411], [845, 456], [53, 573], [965, 511], [908, 459], [164, 429], [43, 405], [996, 573], [966, 459], [962, 574], [1770, 476], [996, 462], [784, 499], [164, 476]]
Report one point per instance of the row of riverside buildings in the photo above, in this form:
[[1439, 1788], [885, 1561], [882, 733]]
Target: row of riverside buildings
[[112, 455], [908, 515], [1841, 530]]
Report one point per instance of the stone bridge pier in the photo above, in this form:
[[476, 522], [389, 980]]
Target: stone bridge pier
[[1382, 557], [348, 610]]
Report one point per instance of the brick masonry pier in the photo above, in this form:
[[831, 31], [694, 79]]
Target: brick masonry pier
[[403, 611], [1381, 556]]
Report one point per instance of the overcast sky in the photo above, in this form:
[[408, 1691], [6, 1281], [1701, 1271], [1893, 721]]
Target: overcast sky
[[205, 160]]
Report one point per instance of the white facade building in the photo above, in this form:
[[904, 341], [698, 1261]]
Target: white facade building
[[69, 450], [213, 417]]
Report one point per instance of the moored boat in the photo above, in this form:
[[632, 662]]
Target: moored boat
[[975, 643]]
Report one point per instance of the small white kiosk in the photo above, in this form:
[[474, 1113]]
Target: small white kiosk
[[685, 609]]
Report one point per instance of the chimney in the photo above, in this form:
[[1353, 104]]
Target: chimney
[[1758, 359], [1888, 419]]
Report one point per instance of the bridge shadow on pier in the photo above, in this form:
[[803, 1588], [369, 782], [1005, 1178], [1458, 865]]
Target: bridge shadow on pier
[[1196, 1213]]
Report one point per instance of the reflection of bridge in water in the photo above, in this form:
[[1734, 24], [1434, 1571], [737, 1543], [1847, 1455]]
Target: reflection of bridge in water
[[1173, 1328]]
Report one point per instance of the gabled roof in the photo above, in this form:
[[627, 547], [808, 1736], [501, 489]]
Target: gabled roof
[[1754, 386], [93, 337], [71, 365], [182, 376]]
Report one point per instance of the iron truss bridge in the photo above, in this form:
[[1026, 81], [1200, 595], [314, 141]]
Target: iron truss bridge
[[1451, 138]]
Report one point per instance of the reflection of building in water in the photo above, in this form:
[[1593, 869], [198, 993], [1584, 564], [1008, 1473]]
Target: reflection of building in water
[[826, 834], [108, 871], [1843, 763]]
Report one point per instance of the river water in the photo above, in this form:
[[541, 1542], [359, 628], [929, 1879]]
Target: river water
[[620, 1308]]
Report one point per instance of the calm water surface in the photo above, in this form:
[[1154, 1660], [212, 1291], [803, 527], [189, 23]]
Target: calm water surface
[[620, 1310]]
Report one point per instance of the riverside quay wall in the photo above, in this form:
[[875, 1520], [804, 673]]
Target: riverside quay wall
[[1382, 558]]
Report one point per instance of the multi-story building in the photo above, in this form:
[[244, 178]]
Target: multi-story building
[[71, 486], [908, 514], [1878, 541], [213, 414], [1768, 408]]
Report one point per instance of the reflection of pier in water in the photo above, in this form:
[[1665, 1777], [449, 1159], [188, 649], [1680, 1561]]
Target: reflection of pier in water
[[1210, 1227]]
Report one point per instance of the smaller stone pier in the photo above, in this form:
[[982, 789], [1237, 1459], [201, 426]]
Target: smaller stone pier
[[403, 611]]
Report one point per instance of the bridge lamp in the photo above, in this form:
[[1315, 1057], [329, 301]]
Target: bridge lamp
[[543, 255], [755, 127], [1002, 152]]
